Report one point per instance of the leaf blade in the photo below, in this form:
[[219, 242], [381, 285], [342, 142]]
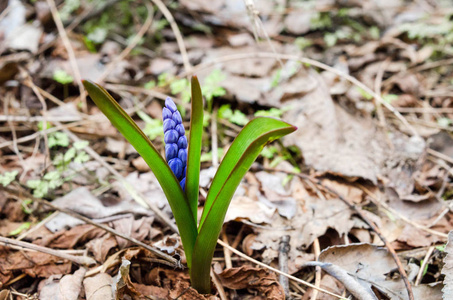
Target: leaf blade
[[170, 185], [194, 153], [242, 153]]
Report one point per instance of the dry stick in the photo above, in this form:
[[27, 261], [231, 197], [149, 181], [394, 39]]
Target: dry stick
[[153, 250], [317, 251], [283, 251], [71, 54], [377, 90], [440, 155], [179, 40], [351, 284], [226, 252], [309, 61], [136, 39], [81, 260], [237, 252], [364, 218], [423, 266], [218, 285]]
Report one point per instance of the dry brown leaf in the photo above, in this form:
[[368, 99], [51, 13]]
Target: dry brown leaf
[[100, 247], [359, 260], [98, 287], [67, 239], [35, 264], [333, 140], [67, 288], [247, 277], [329, 283], [139, 229]]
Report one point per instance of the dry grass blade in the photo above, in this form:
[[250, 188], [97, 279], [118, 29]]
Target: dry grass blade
[[24, 245], [70, 50]]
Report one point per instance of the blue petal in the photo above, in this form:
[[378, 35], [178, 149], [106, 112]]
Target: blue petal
[[182, 142], [166, 113], [177, 117], [182, 155], [171, 136], [176, 166], [171, 151], [169, 124], [170, 104], [183, 184], [180, 129]]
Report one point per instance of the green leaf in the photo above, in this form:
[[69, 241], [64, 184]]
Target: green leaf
[[22, 227], [79, 145], [194, 153], [153, 127], [8, 177], [62, 77], [58, 139], [242, 153], [170, 185]]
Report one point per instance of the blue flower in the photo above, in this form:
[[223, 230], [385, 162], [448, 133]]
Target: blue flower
[[175, 141]]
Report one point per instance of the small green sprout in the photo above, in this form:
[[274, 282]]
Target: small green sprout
[[236, 116], [62, 77], [8, 177], [199, 242]]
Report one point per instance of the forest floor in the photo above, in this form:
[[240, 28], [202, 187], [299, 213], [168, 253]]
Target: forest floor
[[354, 204]]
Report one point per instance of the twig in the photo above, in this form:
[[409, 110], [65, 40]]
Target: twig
[[351, 284], [153, 250], [81, 260], [226, 252], [317, 251], [276, 270], [423, 266], [283, 251], [309, 61], [218, 285], [377, 90], [71, 54], [440, 155], [179, 40]]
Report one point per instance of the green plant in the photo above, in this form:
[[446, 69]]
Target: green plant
[[198, 241], [54, 179], [236, 116], [8, 177], [62, 77], [50, 181]]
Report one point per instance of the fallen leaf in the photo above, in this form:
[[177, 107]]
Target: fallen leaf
[[247, 277], [66, 288], [333, 140], [98, 287], [83, 202], [360, 260]]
